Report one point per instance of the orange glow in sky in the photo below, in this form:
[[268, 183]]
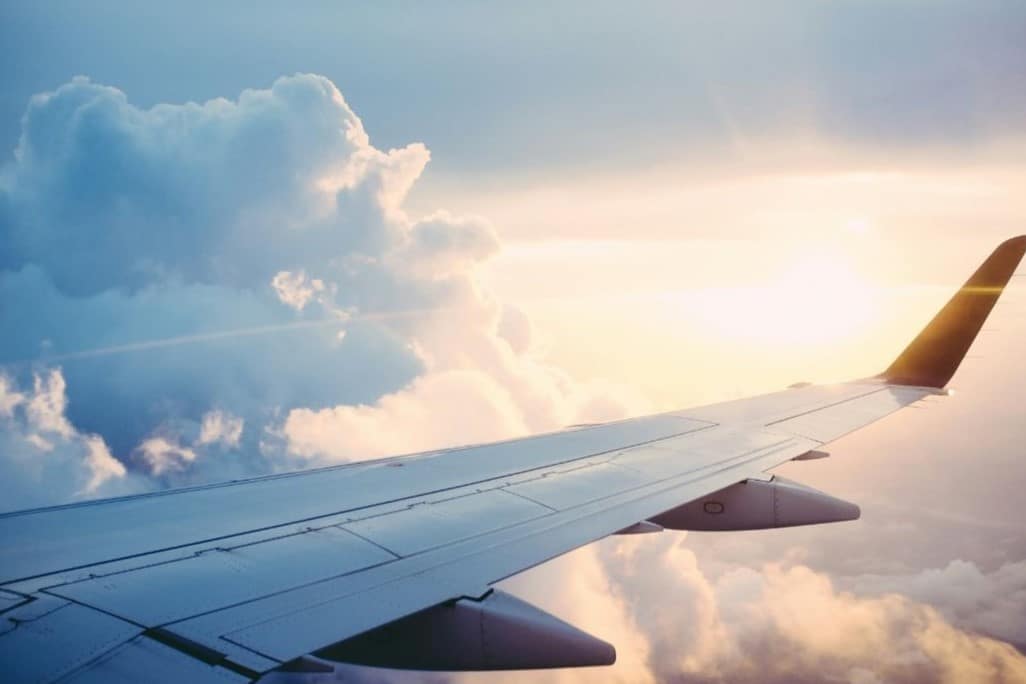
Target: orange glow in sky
[[807, 277]]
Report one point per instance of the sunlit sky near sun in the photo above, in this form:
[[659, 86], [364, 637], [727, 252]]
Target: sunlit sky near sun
[[827, 274]]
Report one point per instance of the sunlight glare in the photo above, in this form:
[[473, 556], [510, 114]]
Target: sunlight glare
[[820, 298]]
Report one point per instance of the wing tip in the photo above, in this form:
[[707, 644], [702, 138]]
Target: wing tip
[[936, 353]]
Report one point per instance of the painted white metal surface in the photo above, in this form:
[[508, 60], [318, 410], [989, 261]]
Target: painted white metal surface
[[500, 632], [564, 489], [46, 541], [829, 423], [757, 504], [143, 659], [348, 606], [45, 641], [9, 600], [424, 526], [670, 457], [767, 408], [157, 594], [269, 570]]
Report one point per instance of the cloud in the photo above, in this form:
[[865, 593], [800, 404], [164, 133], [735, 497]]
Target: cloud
[[782, 621], [220, 427], [418, 417], [799, 612], [9, 398], [512, 398], [162, 455], [441, 245], [234, 287], [295, 289], [103, 195], [991, 603], [44, 459]]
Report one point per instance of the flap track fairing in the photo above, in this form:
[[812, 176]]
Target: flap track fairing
[[758, 505], [498, 632]]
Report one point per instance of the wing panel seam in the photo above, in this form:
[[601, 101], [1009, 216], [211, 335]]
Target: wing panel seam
[[705, 426], [825, 407]]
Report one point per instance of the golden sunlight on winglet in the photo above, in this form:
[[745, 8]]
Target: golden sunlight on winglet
[[936, 353]]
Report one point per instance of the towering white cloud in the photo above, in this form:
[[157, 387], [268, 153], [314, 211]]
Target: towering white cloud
[[231, 285]]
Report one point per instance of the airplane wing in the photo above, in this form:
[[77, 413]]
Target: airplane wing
[[392, 562]]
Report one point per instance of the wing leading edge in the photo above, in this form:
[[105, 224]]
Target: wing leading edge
[[228, 582]]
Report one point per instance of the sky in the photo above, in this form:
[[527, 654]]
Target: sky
[[246, 238]]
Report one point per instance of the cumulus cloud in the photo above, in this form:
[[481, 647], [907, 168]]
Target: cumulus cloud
[[295, 289], [162, 455], [991, 603], [220, 427], [234, 287], [44, 459], [9, 398], [790, 623], [105, 195], [783, 621], [418, 417], [441, 245]]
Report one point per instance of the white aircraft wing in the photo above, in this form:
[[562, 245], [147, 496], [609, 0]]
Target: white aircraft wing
[[391, 562]]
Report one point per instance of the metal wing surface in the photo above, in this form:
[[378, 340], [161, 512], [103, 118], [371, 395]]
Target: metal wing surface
[[391, 562]]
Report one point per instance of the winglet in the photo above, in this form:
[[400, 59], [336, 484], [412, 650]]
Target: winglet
[[935, 354]]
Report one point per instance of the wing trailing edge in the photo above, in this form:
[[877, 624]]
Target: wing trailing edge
[[935, 354]]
